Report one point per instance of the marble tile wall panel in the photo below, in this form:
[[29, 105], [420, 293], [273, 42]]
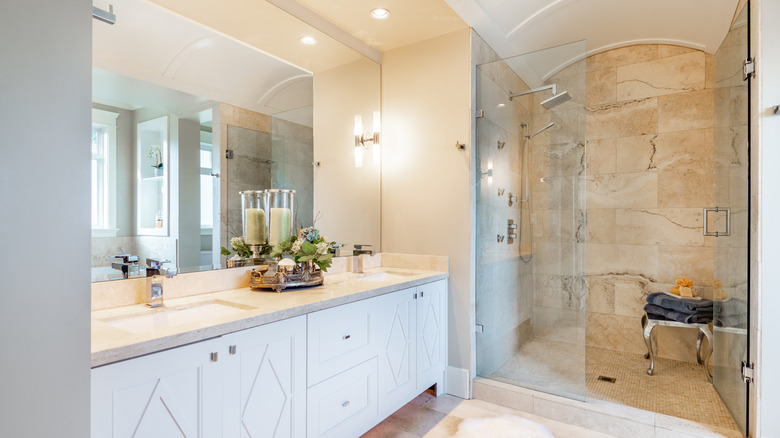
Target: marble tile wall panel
[[601, 225], [623, 190], [623, 119], [659, 226], [673, 150], [601, 86], [601, 156], [622, 56], [668, 75], [681, 111]]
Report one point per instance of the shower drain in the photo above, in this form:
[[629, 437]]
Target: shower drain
[[607, 379]]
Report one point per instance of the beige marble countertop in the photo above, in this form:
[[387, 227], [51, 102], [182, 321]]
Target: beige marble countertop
[[253, 308]]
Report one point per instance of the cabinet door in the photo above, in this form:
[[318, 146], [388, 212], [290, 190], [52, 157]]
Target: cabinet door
[[265, 380], [173, 393], [431, 332], [397, 314]]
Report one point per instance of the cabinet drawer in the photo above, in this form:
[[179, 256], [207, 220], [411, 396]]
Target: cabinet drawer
[[344, 405], [340, 338]]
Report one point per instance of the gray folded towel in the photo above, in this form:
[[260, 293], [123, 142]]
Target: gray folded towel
[[681, 305], [672, 315]]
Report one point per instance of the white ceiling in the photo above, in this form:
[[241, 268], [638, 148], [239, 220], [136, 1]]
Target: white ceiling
[[410, 20], [514, 27]]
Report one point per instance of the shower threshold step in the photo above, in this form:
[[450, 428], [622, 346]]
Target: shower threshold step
[[597, 415]]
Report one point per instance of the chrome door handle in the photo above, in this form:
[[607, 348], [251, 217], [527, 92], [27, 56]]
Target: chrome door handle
[[707, 232]]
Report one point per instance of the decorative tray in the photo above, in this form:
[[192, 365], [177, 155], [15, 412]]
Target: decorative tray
[[279, 278]]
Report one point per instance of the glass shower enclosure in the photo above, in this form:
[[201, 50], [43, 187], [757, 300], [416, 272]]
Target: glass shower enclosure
[[530, 296]]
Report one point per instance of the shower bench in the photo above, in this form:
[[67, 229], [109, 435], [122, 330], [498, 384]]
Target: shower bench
[[649, 324]]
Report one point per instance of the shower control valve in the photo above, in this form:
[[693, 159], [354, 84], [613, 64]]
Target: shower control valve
[[499, 238]]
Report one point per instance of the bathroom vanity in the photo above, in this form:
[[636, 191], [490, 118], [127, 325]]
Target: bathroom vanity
[[330, 361]]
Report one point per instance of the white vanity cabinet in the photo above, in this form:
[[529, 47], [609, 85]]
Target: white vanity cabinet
[[412, 330], [264, 383], [332, 373], [248, 383], [176, 392]]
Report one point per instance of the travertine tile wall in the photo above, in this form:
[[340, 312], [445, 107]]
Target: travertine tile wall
[[650, 121]]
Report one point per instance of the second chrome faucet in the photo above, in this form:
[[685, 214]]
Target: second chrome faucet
[[155, 274], [358, 253]]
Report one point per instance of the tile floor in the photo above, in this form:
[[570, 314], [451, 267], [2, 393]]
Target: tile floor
[[679, 389], [433, 417]]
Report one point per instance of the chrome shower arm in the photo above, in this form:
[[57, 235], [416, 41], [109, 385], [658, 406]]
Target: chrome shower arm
[[534, 90]]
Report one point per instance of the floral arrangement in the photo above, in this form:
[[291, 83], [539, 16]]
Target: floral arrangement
[[239, 246], [308, 245], [684, 288], [155, 154]]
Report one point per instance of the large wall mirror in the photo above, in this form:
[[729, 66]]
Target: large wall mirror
[[194, 102]]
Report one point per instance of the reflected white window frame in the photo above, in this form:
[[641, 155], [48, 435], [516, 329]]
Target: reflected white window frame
[[206, 229], [104, 161]]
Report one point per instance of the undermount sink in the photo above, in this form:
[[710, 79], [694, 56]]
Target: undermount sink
[[387, 276], [167, 317]]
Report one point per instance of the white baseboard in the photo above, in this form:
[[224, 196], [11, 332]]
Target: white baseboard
[[458, 381]]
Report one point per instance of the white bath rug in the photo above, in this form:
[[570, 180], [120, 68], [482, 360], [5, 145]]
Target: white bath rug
[[504, 426]]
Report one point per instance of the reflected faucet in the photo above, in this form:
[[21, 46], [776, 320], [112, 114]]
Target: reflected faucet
[[358, 253]]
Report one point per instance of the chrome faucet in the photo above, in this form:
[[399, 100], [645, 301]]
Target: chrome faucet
[[154, 286], [358, 253]]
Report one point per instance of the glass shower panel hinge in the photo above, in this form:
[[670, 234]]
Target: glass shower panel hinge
[[748, 372], [480, 114], [748, 69], [479, 328]]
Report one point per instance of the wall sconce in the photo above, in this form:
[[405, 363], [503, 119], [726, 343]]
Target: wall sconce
[[362, 141], [488, 173]]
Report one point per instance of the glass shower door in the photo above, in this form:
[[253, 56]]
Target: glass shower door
[[530, 289], [730, 222]]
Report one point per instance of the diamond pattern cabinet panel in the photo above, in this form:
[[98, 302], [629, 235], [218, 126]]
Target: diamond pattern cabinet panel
[[431, 334], [265, 381], [173, 393], [397, 313]]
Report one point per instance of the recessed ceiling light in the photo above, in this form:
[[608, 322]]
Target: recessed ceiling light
[[380, 13], [307, 40]]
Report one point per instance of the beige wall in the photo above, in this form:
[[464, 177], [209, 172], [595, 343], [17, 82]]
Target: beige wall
[[346, 198], [425, 179], [649, 174]]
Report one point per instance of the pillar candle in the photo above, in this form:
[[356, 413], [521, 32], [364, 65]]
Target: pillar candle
[[255, 226], [279, 229]]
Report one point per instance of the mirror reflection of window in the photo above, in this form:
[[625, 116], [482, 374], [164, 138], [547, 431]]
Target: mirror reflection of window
[[103, 173]]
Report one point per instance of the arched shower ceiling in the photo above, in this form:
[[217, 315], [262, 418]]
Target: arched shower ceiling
[[513, 27], [156, 45]]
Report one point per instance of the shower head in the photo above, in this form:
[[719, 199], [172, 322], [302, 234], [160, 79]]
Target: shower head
[[539, 131], [556, 100]]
